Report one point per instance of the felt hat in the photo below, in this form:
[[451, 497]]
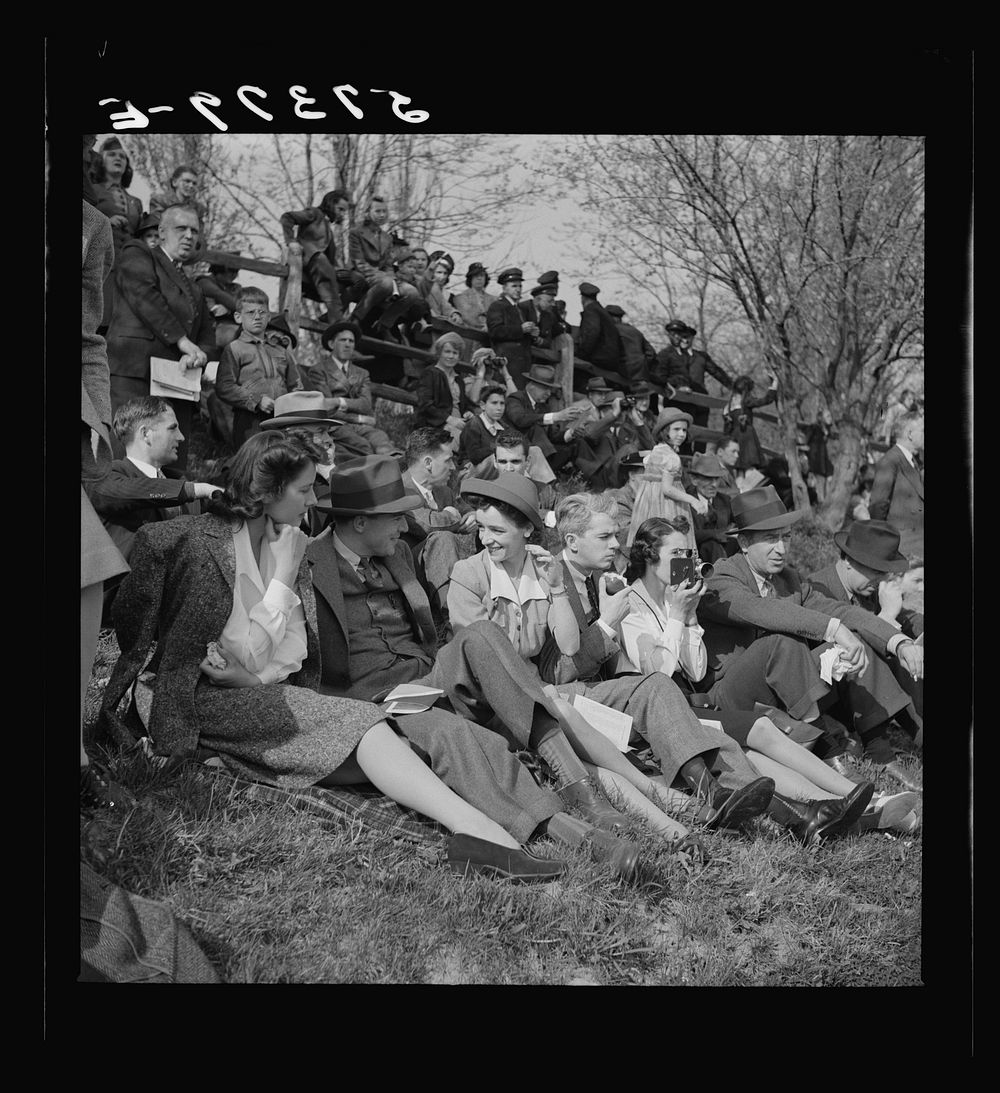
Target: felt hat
[[280, 323], [298, 408], [147, 222], [667, 416], [873, 543], [515, 489], [544, 374], [335, 328], [547, 290], [369, 486], [708, 465], [476, 267], [761, 509], [599, 392], [512, 274], [402, 256], [675, 326], [615, 310], [641, 389], [587, 289], [448, 338], [633, 461]]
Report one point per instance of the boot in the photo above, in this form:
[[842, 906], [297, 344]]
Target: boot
[[730, 808], [809, 821], [574, 788]]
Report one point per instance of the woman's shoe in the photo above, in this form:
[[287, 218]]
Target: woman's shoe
[[732, 808], [622, 856], [853, 808], [595, 810], [468, 854], [887, 811]]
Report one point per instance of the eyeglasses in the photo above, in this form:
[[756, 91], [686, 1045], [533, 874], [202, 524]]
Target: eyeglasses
[[254, 313]]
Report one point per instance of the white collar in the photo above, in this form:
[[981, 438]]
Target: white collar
[[345, 551], [761, 581], [642, 593], [906, 451], [529, 586], [342, 365], [579, 577], [147, 468], [492, 427], [426, 491]]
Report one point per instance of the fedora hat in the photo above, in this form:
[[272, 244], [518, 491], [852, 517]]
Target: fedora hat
[[641, 389], [873, 543], [544, 374], [335, 328], [761, 509], [515, 489], [298, 408], [598, 385], [667, 416], [147, 222], [707, 464], [369, 486]]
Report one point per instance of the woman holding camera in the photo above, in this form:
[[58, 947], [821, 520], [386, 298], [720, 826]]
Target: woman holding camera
[[661, 634]]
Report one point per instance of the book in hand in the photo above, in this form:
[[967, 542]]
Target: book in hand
[[170, 379], [616, 726], [411, 698]]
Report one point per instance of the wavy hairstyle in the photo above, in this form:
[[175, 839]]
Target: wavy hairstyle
[[260, 472], [648, 543]]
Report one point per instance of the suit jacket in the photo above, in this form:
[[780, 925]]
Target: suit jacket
[[420, 521], [503, 323], [528, 420], [687, 369], [898, 496], [828, 582], [180, 595], [355, 387], [734, 614], [371, 248], [434, 402], [598, 340], [125, 499], [321, 557], [550, 326], [638, 355], [476, 442], [153, 311], [315, 233]]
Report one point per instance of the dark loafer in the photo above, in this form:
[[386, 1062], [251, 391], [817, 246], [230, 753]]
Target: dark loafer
[[622, 856], [739, 806], [467, 854], [852, 809]]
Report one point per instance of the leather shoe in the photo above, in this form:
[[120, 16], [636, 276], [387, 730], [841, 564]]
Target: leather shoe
[[732, 808], [889, 811], [467, 854], [852, 809], [622, 856], [808, 821], [600, 813]]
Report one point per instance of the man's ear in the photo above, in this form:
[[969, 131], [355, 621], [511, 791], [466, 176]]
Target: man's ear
[[570, 542], [238, 316], [359, 523]]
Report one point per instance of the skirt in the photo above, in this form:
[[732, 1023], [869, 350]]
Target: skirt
[[649, 502], [281, 735]]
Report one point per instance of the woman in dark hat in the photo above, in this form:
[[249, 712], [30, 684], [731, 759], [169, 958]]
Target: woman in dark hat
[[660, 491], [228, 598], [737, 420], [474, 301], [111, 182]]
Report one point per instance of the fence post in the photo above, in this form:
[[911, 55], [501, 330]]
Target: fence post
[[292, 302]]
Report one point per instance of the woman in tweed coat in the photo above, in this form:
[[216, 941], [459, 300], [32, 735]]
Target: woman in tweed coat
[[195, 584]]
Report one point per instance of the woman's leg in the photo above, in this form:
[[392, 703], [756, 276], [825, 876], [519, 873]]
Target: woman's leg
[[766, 738], [787, 782], [388, 762], [631, 800]]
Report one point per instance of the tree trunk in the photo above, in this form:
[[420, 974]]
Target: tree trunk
[[840, 484]]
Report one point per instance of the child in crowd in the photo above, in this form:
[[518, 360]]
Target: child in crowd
[[254, 372]]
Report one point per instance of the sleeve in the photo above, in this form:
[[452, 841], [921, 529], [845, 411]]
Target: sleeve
[[521, 416], [117, 492], [590, 329], [728, 601], [647, 350], [718, 371], [316, 379], [361, 401], [503, 323], [211, 291], [658, 369], [356, 252], [293, 381], [227, 385], [136, 606], [290, 220], [476, 442], [98, 259], [465, 604], [428, 409], [882, 487], [653, 650], [752, 402], [138, 283], [272, 648], [877, 632]]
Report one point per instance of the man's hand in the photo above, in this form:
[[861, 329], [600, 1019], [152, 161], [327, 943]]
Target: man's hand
[[890, 598], [570, 413], [911, 656], [530, 328], [468, 522], [233, 675], [118, 221], [203, 490], [266, 403], [700, 505], [613, 607], [454, 515], [192, 355], [854, 650]]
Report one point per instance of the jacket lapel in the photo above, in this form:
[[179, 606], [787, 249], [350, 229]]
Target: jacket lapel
[[225, 556], [574, 596], [321, 555], [912, 474], [416, 598]]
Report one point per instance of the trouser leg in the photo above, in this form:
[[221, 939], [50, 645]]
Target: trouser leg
[[477, 765], [875, 697], [376, 438], [379, 290], [776, 670], [324, 279], [351, 286]]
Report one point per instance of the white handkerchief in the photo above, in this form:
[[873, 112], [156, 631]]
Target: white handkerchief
[[833, 664]]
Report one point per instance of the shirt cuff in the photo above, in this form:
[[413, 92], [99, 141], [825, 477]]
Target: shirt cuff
[[895, 642], [831, 629], [674, 630], [280, 597], [548, 419], [607, 630]]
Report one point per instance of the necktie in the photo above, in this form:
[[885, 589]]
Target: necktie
[[593, 597], [185, 283], [369, 574], [767, 590]]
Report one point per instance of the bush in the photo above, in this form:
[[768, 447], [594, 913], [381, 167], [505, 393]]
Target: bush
[[812, 547]]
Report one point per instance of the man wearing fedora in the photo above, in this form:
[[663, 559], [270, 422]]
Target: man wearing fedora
[[635, 434], [376, 631], [711, 528], [553, 332], [898, 490], [684, 368], [597, 438], [766, 629], [866, 575], [347, 393], [511, 334], [598, 341], [551, 430], [638, 356]]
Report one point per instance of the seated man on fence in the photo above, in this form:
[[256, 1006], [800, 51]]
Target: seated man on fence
[[347, 391], [551, 430], [766, 630], [711, 530], [373, 253]]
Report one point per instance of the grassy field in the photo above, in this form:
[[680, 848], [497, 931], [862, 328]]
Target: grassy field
[[274, 895]]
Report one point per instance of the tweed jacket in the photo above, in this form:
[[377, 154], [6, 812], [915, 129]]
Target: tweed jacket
[[180, 595], [125, 499], [321, 558], [98, 258], [598, 340], [528, 420], [434, 401], [828, 582], [371, 248], [355, 387], [734, 614], [315, 233], [898, 496], [155, 307]]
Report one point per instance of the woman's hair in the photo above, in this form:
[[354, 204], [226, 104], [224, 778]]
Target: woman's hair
[[451, 338], [648, 543], [743, 384], [490, 389], [113, 144], [259, 473], [474, 273], [183, 169], [515, 516]]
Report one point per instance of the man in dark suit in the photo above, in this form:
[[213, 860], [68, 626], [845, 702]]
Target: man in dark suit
[[511, 334], [711, 529], [637, 354], [898, 491], [684, 368], [376, 631], [766, 630], [867, 576], [314, 234], [550, 429], [159, 313], [597, 340]]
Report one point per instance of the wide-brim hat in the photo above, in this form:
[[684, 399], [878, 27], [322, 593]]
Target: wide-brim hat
[[335, 328], [667, 416], [147, 222], [873, 543], [298, 408], [514, 489], [615, 310], [369, 486], [544, 374], [512, 274], [641, 389], [761, 509], [707, 464], [599, 392]]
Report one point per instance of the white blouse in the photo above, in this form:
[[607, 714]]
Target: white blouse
[[653, 642], [266, 631]]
